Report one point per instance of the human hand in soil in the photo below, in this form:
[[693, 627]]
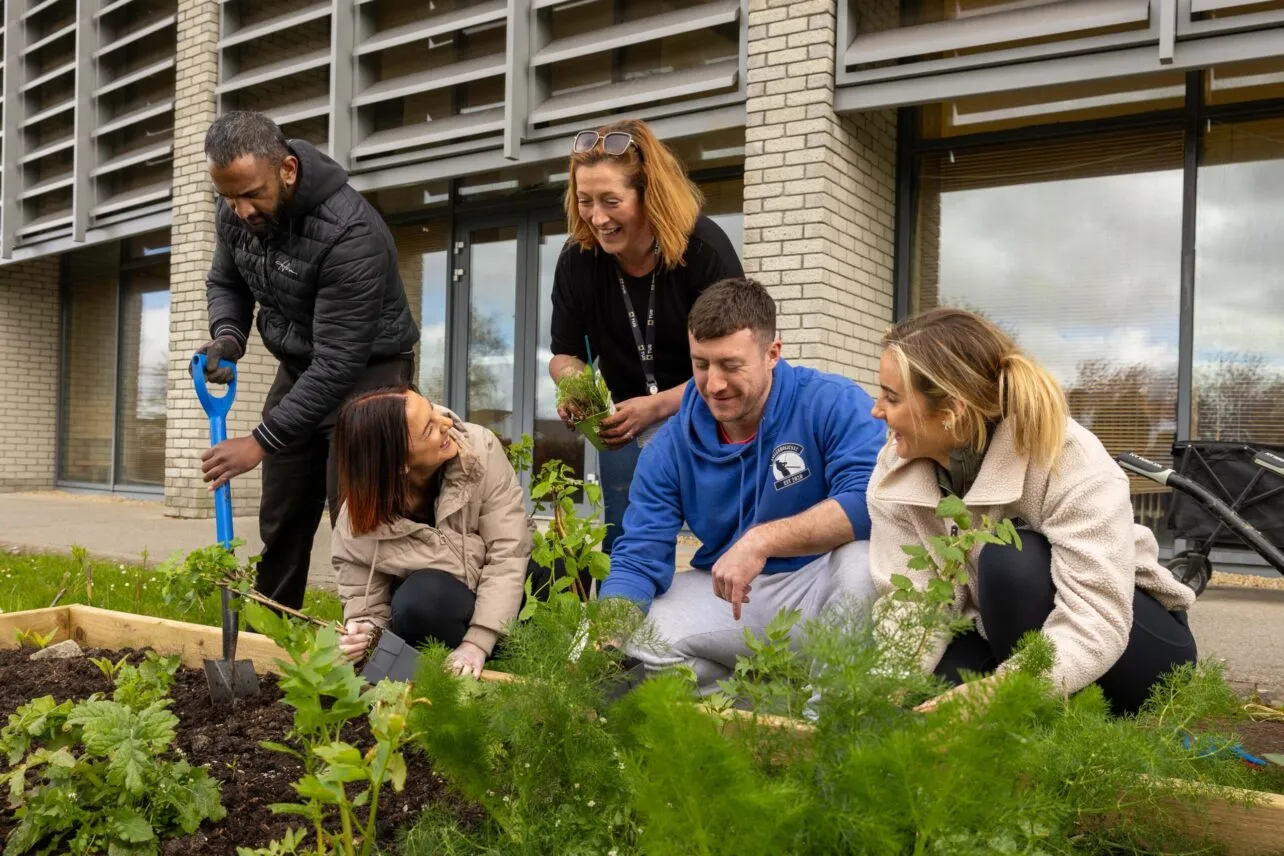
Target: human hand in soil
[[221, 463], [467, 659], [981, 690], [737, 568], [631, 417], [355, 639]]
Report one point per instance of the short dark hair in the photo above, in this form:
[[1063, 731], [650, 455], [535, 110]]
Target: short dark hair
[[731, 305], [245, 132], [372, 449]]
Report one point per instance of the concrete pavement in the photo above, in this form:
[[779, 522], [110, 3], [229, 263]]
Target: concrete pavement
[[1243, 626]]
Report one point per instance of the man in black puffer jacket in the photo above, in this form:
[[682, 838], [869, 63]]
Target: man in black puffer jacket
[[321, 264]]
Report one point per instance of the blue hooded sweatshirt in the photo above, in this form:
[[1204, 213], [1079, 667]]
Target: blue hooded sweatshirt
[[817, 440]]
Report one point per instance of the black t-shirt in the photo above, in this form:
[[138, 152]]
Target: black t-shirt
[[587, 301]]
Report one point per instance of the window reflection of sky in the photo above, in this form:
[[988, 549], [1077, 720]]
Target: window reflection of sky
[[1078, 270]]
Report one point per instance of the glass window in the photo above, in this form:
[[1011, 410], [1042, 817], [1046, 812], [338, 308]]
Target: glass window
[[1238, 370], [88, 379], [553, 440], [422, 260], [144, 360], [724, 205], [492, 329], [1075, 248]]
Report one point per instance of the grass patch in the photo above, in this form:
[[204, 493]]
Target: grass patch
[[33, 580]]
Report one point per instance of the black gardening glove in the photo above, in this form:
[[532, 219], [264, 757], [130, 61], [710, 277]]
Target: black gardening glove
[[222, 348]]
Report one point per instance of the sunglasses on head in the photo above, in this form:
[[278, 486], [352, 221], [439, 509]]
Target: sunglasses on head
[[614, 143]]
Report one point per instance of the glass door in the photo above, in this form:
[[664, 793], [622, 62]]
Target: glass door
[[502, 286]]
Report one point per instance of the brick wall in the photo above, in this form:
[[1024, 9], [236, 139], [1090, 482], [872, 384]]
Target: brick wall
[[29, 336], [192, 243], [820, 193]]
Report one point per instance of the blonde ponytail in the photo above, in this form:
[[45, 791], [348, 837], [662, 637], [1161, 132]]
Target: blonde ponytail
[[1034, 406], [964, 363]]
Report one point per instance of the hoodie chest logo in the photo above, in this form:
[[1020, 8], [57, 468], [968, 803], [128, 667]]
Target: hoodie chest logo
[[787, 465], [284, 267]]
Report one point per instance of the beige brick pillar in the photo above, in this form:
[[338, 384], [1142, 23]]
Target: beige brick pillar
[[820, 193], [29, 325], [192, 249]]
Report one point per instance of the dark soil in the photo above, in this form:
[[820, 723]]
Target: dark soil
[[227, 740]]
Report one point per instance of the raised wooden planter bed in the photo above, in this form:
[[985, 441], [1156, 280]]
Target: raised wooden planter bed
[[1252, 830]]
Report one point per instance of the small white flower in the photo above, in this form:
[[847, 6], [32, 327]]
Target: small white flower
[[592, 803], [577, 786]]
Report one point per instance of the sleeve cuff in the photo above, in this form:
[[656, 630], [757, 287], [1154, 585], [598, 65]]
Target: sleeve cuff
[[628, 591], [484, 638], [854, 506], [228, 329], [267, 439]]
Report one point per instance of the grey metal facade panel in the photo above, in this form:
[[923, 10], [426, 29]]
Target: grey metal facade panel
[[83, 154], [1063, 62], [432, 79], [276, 70], [643, 90], [1055, 19], [542, 151], [275, 25], [437, 25], [10, 176], [641, 30]]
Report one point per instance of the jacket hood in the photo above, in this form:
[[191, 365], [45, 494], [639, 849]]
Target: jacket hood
[[320, 177], [702, 429]]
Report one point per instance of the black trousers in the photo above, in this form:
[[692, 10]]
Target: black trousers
[[431, 605], [299, 481], [1016, 596]]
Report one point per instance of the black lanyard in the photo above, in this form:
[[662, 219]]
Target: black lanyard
[[646, 350]]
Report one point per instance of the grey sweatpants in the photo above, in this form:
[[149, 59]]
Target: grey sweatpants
[[692, 625]]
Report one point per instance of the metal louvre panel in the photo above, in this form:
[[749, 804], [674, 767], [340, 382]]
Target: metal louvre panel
[[591, 59], [428, 76], [129, 80], [1052, 20], [278, 58], [40, 182]]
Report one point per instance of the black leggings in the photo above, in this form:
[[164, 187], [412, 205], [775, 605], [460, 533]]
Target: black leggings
[[432, 605], [1016, 596]]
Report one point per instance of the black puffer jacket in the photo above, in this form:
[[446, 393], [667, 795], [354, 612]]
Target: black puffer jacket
[[330, 297]]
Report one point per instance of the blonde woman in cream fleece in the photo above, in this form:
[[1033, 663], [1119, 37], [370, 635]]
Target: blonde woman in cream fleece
[[970, 415]]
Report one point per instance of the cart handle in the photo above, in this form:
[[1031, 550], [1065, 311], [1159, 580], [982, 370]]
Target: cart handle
[[1144, 467], [1270, 461]]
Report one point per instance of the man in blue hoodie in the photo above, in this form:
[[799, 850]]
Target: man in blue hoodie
[[768, 464]]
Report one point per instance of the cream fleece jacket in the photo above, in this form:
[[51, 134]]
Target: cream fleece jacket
[[1081, 505]]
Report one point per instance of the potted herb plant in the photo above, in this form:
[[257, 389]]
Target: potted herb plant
[[585, 397]]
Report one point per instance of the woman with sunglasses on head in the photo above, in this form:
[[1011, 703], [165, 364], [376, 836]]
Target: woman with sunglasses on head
[[432, 539], [971, 415], [639, 254]]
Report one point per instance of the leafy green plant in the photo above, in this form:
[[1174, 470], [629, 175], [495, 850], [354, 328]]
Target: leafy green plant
[[322, 687], [104, 776], [520, 453], [583, 394], [921, 613], [537, 753], [771, 678], [570, 544], [32, 638]]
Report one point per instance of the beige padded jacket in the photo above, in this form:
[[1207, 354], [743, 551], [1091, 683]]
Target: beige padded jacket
[[1081, 505], [482, 538]]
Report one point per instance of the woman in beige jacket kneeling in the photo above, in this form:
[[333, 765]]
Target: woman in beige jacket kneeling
[[432, 540], [970, 415]]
